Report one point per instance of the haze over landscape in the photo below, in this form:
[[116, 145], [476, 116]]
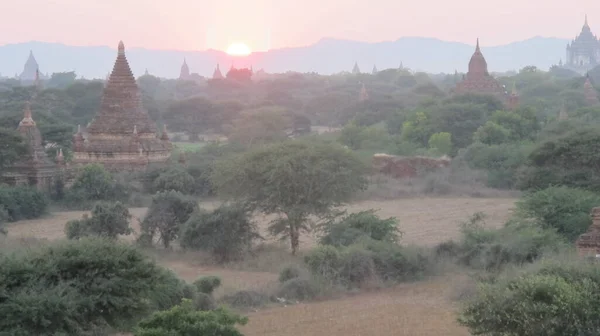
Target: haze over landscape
[[325, 37]]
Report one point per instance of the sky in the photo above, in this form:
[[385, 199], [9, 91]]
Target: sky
[[264, 24]]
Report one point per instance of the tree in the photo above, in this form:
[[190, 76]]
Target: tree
[[184, 320], [295, 179], [61, 80], [260, 126], [175, 179], [227, 232], [12, 147], [550, 299], [168, 211], [492, 134], [441, 143], [94, 183], [108, 220]]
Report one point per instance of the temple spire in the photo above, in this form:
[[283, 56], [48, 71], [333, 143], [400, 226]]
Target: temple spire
[[27, 119], [121, 48], [477, 46]]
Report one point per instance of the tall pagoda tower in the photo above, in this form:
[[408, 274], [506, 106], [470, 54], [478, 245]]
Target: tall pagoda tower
[[217, 73], [184, 73], [591, 95], [122, 136], [478, 80], [35, 167]]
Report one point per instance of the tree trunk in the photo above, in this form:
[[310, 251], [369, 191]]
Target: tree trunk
[[294, 237]]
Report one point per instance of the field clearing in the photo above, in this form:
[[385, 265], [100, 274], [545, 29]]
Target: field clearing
[[415, 309], [424, 221]]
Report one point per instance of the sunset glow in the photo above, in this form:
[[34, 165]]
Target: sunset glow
[[238, 49]]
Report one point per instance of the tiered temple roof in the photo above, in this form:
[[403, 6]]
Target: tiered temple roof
[[35, 167], [478, 79], [122, 136], [217, 74], [588, 244], [185, 70]]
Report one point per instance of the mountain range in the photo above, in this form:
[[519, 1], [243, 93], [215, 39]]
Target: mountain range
[[327, 56]]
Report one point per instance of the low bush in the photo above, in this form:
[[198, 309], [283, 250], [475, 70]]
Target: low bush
[[204, 302], [289, 273], [76, 287], [184, 320], [246, 299], [518, 242], [227, 232], [108, 220], [175, 179], [566, 210], [207, 284], [398, 263], [551, 297], [347, 230], [357, 267], [324, 261], [297, 289], [22, 203]]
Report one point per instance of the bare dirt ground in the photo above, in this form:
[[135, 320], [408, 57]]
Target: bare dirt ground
[[424, 221], [415, 309], [420, 308]]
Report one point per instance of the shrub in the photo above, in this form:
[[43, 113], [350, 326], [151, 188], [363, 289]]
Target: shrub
[[518, 242], [297, 289], [397, 263], [73, 287], [204, 302], [108, 220], [175, 179], [289, 273], [324, 261], [551, 298], [22, 203], [563, 209], [168, 212], [227, 232], [246, 299], [184, 320], [94, 183], [207, 284], [3, 219], [357, 267], [349, 229]]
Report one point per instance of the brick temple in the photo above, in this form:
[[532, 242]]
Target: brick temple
[[121, 136], [479, 81], [34, 168], [588, 244], [590, 93]]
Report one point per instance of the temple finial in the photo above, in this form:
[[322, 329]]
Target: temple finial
[[121, 48], [477, 46], [135, 130], [586, 21], [27, 111]]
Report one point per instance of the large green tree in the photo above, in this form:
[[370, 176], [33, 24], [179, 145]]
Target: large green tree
[[12, 147], [295, 179]]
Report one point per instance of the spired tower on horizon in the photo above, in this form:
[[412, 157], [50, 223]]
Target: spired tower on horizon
[[121, 136], [30, 70], [583, 53]]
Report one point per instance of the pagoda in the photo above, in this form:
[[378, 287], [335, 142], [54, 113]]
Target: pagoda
[[583, 53], [184, 73], [121, 136], [513, 99], [590, 93], [33, 168], [478, 80], [588, 244], [217, 73]]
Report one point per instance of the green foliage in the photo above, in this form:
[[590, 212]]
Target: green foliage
[[70, 288], [518, 242], [347, 230], [167, 213], [552, 298], [352, 136], [184, 320], [502, 162], [108, 220], [563, 209], [207, 284], [246, 299], [22, 203], [295, 178], [297, 289], [227, 232], [570, 160], [289, 273], [324, 261], [3, 219], [417, 129], [492, 134], [175, 179], [94, 183], [441, 143], [12, 147]]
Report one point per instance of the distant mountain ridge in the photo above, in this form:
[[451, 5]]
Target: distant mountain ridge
[[326, 56]]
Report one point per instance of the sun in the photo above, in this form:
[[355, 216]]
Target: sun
[[238, 49]]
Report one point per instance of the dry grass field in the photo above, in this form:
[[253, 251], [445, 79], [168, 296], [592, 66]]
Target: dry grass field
[[421, 308]]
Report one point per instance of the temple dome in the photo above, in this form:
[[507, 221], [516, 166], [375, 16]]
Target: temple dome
[[477, 64]]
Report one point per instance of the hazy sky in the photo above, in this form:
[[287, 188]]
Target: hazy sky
[[198, 24]]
